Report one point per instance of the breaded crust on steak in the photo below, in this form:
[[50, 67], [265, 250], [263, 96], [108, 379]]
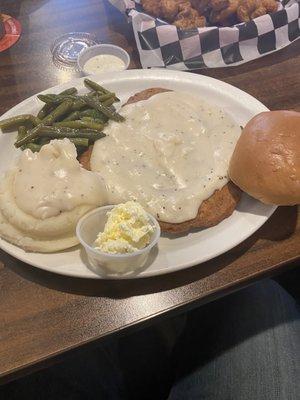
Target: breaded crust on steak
[[212, 211]]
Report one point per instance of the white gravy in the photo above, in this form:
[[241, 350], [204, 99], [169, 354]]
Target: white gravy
[[171, 153], [52, 181], [104, 63]]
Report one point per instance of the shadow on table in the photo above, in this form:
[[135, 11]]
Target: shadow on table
[[279, 227]]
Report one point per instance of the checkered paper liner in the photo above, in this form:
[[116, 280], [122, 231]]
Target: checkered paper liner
[[164, 45]]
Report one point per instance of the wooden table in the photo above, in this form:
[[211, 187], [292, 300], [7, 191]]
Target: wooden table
[[43, 316]]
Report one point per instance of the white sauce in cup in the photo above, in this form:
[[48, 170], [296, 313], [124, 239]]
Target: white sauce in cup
[[104, 63]]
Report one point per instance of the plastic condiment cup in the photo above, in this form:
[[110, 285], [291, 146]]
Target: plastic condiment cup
[[100, 49], [87, 230]]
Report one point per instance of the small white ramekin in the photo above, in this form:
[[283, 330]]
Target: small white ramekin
[[107, 264], [98, 49]]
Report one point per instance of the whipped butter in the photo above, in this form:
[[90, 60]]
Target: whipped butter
[[170, 154], [127, 229]]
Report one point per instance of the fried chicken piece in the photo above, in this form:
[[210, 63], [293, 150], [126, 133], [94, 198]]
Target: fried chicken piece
[[188, 18], [218, 5], [187, 14], [250, 9], [225, 16], [171, 8], [165, 9], [212, 211], [188, 23], [152, 7], [202, 6], [179, 12]]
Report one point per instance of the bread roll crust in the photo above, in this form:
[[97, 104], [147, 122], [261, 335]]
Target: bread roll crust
[[266, 159]]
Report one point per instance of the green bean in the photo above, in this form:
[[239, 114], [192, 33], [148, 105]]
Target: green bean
[[108, 102], [46, 98], [93, 124], [71, 90], [69, 124], [36, 121], [52, 98], [10, 124], [104, 97], [68, 92], [60, 133], [90, 112], [98, 88], [47, 108], [22, 132], [94, 94], [80, 141], [66, 115], [72, 117], [78, 104], [31, 135], [60, 110], [90, 119], [116, 99], [93, 86], [46, 130], [33, 147], [102, 108], [80, 124], [56, 99], [44, 140]]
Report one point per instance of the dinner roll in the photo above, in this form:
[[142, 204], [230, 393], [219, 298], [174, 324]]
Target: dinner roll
[[266, 159]]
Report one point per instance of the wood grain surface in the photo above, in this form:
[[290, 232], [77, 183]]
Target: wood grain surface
[[44, 316]]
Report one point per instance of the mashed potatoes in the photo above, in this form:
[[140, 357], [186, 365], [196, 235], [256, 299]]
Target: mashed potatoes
[[43, 197]]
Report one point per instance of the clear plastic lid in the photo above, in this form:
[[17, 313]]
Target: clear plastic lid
[[66, 48]]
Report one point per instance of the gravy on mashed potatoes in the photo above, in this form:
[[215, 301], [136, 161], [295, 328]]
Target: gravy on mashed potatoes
[[44, 195]]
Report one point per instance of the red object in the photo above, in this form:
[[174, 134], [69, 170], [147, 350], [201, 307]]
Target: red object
[[12, 32]]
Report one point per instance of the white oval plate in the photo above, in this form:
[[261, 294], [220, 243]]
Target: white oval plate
[[173, 253]]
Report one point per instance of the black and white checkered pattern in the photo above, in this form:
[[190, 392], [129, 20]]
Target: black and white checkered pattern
[[163, 45]]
